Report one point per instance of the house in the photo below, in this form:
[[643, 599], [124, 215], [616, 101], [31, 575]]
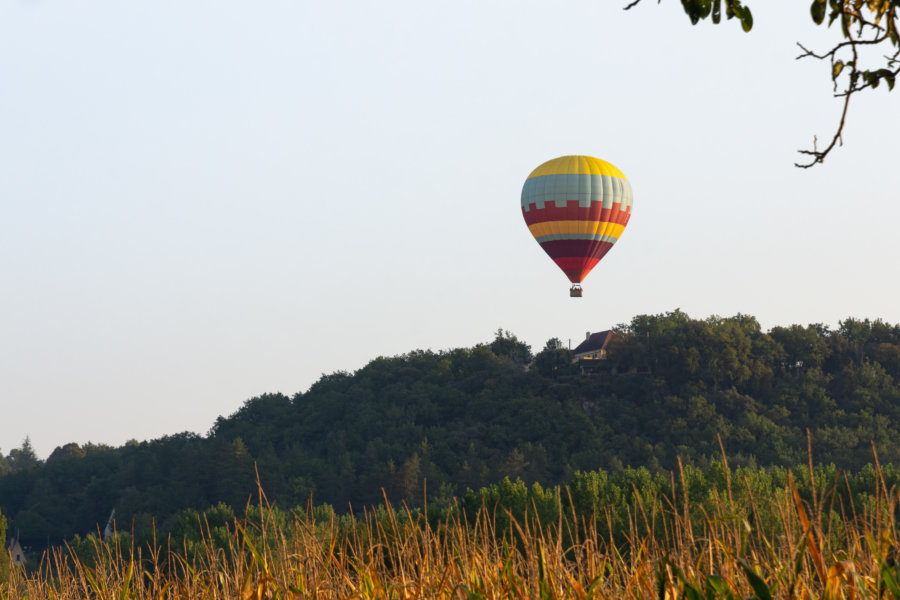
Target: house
[[16, 554], [591, 353], [593, 346]]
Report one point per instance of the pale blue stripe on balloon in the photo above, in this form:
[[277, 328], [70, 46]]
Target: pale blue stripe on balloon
[[587, 189]]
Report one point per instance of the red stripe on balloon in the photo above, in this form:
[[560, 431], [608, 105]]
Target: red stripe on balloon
[[576, 258], [573, 212], [576, 268], [574, 248]]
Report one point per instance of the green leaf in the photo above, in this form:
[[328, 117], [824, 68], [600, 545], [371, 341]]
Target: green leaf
[[890, 580], [835, 13], [890, 81], [690, 591], [817, 10], [693, 9], [716, 585], [717, 11], [661, 583], [746, 19], [760, 589], [872, 79]]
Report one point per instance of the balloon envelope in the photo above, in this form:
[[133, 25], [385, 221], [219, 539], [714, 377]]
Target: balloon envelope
[[576, 208]]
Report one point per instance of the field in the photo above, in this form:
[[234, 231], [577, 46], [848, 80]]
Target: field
[[732, 546]]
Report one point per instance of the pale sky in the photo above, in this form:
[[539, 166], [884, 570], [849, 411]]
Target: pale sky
[[201, 202]]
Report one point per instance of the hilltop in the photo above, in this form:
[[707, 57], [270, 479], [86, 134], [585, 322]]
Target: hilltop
[[464, 418]]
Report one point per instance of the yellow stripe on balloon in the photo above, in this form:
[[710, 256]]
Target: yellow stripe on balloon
[[579, 165], [584, 227]]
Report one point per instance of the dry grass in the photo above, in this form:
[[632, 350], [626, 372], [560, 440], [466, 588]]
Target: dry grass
[[813, 549]]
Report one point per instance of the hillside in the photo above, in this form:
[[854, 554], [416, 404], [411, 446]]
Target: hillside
[[468, 417]]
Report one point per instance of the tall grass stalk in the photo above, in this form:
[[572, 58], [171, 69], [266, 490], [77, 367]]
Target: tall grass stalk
[[816, 549]]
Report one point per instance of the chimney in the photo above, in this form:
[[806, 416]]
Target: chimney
[[587, 335]]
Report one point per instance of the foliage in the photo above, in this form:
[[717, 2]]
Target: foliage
[[554, 361], [507, 345], [867, 54], [21, 459], [442, 423], [795, 539]]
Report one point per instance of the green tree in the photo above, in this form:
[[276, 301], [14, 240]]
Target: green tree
[[507, 345], [864, 24], [70, 450], [555, 360], [804, 347], [24, 458]]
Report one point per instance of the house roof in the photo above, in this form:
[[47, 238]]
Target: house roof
[[595, 342]]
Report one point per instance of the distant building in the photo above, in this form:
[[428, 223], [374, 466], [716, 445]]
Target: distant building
[[110, 528], [593, 346], [16, 554], [591, 353]]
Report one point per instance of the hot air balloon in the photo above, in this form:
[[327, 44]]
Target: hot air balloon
[[576, 208]]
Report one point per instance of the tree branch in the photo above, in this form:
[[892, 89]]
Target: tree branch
[[819, 156], [858, 79], [862, 23]]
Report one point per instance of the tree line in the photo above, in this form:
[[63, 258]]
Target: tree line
[[467, 418]]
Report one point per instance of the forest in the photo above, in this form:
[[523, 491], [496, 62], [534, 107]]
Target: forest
[[456, 424]]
